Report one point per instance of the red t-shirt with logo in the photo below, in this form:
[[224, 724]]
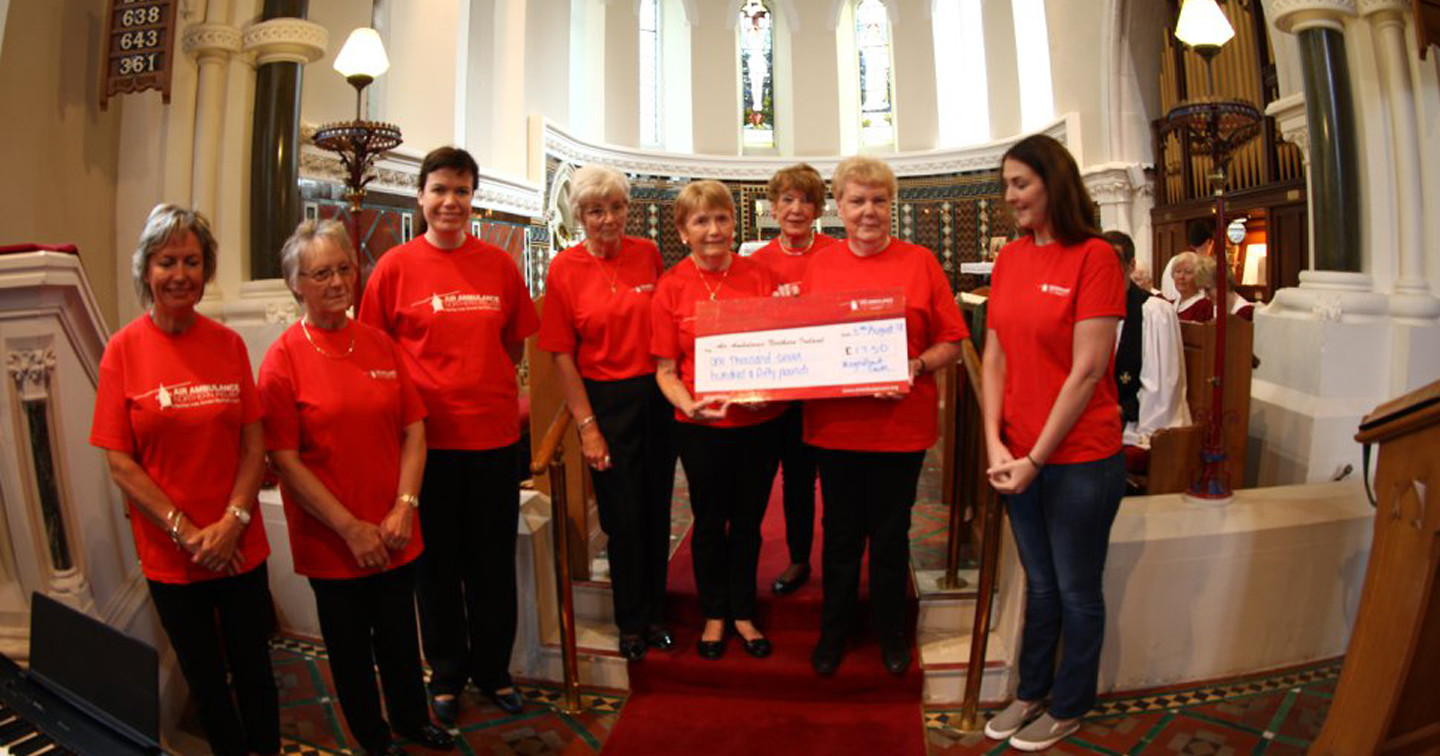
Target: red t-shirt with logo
[[451, 312], [789, 267], [346, 417], [599, 310], [177, 403], [1037, 295], [672, 322], [931, 317]]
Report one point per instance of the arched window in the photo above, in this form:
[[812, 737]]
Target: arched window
[[651, 130], [757, 79], [877, 102]]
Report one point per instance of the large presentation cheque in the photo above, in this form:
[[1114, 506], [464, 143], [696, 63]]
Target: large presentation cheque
[[812, 347]]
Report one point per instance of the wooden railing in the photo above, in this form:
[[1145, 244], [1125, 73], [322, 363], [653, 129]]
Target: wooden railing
[[549, 459], [973, 460]]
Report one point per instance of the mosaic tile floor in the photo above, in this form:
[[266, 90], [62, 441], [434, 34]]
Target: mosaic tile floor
[[1275, 713], [312, 724]]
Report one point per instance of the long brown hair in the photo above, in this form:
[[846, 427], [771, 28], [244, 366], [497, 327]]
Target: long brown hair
[[1071, 211]]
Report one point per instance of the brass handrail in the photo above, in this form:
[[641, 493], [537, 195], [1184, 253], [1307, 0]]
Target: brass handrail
[[989, 562], [550, 459]]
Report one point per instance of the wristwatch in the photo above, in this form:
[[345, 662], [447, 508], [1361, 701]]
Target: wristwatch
[[411, 499], [240, 513]]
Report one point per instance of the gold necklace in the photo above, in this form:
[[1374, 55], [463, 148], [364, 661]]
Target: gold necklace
[[795, 250], [611, 271], [348, 351], [701, 271]]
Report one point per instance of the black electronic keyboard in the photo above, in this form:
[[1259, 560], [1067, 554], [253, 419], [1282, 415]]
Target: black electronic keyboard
[[90, 691]]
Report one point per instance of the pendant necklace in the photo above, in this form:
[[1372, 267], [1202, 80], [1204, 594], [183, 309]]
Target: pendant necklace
[[348, 350], [716, 290], [797, 251]]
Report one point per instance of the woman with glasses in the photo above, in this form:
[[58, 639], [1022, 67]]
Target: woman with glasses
[[596, 321]]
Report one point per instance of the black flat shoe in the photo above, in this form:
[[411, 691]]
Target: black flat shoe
[[783, 587], [759, 647], [510, 703], [447, 709], [431, 737], [826, 657], [710, 649], [632, 646], [660, 638], [896, 657]]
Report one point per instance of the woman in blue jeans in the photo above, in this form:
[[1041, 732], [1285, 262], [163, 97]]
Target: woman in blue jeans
[[1052, 432]]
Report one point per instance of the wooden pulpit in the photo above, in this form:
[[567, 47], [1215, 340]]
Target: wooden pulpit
[[1388, 701]]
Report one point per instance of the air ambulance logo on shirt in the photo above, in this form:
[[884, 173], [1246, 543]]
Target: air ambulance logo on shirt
[[1055, 289], [180, 396], [454, 301]]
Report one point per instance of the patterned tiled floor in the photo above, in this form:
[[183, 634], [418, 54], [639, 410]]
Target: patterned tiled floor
[[1277, 713], [312, 724]]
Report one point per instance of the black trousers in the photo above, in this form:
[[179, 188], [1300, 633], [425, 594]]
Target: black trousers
[[797, 466], [368, 621], [223, 623], [868, 496], [730, 471], [465, 580], [633, 496]]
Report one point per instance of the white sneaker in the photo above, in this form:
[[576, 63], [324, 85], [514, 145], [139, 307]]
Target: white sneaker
[[1043, 733], [1012, 718]]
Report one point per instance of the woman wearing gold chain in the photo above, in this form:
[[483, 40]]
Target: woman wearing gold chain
[[596, 321], [346, 430], [728, 449]]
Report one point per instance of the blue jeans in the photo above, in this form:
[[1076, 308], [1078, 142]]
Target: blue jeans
[[1062, 529]]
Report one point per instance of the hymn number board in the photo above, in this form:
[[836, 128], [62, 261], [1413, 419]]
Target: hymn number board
[[139, 48]]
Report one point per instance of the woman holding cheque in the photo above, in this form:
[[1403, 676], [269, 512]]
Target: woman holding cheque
[[870, 449], [728, 449], [1053, 432], [345, 428], [597, 324]]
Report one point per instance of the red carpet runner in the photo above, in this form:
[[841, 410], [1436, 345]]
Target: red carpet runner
[[682, 704]]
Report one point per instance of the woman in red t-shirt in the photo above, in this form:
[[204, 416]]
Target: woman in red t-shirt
[[1052, 431], [728, 449], [345, 428], [178, 416], [870, 449], [596, 321], [797, 197], [459, 311]]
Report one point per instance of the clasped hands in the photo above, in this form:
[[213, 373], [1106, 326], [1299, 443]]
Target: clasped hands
[[1008, 474], [371, 544]]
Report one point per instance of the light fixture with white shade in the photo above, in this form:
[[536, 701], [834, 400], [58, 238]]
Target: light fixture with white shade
[[1203, 26], [359, 142]]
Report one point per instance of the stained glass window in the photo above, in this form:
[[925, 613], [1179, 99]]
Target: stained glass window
[[877, 104], [757, 84], [650, 73]]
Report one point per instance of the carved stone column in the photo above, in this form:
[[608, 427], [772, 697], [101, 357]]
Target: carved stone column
[[211, 44], [282, 42], [1334, 167], [1411, 299]]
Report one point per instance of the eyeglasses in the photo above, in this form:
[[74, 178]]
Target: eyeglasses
[[597, 212], [325, 274]]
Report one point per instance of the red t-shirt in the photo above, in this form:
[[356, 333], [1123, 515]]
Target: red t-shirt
[[599, 310], [672, 322], [931, 317], [347, 418], [789, 267], [451, 312], [1037, 295], [178, 403]]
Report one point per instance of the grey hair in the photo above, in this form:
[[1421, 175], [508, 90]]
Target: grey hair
[[594, 183], [306, 234], [162, 225]]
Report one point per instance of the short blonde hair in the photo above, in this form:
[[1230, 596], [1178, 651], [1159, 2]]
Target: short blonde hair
[[802, 178], [863, 169], [1190, 260], [701, 195], [307, 233], [165, 223], [1204, 272], [595, 183]]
